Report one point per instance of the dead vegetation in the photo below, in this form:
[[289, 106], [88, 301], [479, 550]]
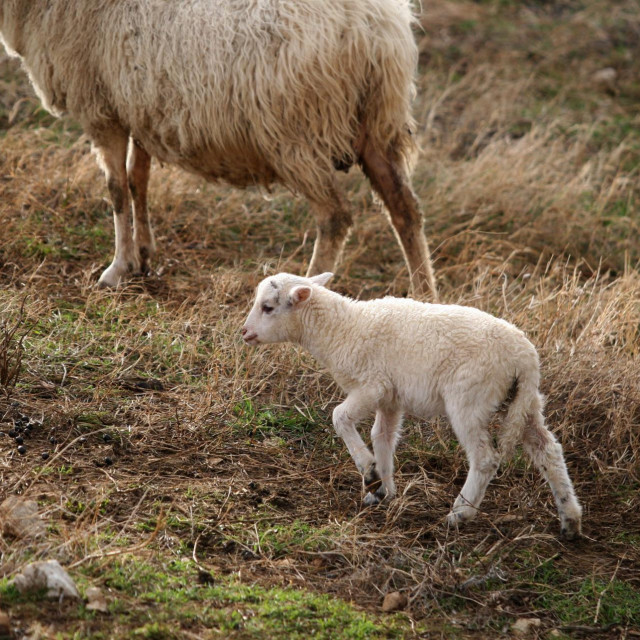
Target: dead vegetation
[[177, 456]]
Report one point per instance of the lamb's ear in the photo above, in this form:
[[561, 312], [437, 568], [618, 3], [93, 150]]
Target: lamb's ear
[[299, 295], [321, 278]]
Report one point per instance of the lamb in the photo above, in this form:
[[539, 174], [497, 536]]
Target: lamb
[[252, 93], [396, 356]]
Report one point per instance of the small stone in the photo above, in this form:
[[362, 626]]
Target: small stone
[[394, 601], [108, 461], [52, 440], [19, 440], [106, 437], [605, 79], [19, 518], [12, 433], [45, 455], [46, 575], [22, 450], [523, 626], [5, 626], [96, 600]]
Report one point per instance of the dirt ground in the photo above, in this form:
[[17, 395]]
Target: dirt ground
[[198, 483]]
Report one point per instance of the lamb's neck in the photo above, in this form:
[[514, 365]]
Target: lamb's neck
[[325, 322]]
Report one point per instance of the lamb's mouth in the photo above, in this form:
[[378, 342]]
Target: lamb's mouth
[[251, 339]]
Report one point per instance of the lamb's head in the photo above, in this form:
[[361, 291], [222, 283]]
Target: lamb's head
[[275, 315]]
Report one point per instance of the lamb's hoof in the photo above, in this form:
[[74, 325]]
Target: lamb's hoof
[[371, 479], [459, 516], [570, 529], [371, 500]]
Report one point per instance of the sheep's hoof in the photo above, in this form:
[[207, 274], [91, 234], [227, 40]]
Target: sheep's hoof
[[570, 528], [371, 499], [371, 479], [376, 497], [459, 516]]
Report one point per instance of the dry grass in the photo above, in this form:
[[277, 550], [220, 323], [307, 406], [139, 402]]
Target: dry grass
[[223, 458]]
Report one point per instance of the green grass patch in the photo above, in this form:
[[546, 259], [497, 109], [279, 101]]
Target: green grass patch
[[269, 422], [157, 601], [595, 600]]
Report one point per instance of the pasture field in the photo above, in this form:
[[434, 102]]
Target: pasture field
[[198, 483]]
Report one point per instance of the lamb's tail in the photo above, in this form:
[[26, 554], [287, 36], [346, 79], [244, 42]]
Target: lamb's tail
[[525, 404]]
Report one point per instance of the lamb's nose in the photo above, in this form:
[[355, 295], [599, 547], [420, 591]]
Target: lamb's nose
[[244, 331]]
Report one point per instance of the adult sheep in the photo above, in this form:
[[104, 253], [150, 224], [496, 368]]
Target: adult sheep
[[252, 92]]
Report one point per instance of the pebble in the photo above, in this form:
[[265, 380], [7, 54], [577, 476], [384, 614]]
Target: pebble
[[5, 625], [394, 601], [522, 626]]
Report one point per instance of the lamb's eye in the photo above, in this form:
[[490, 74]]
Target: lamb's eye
[[267, 308]]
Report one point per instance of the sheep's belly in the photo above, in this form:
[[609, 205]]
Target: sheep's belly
[[239, 168]]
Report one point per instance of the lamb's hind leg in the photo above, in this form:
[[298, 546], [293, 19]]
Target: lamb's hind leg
[[389, 179], [333, 220], [546, 453], [112, 152], [384, 437], [138, 168], [484, 460]]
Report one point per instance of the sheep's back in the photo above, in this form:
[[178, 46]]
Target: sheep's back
[[425, 352]]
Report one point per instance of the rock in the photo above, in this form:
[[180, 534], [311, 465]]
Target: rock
[[96, 600], [605, 79], [19, 518], [46, 575], [5, 626], [394, 601], [522, 626]]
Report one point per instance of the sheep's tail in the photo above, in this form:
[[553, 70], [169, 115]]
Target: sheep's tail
[[524, 410]]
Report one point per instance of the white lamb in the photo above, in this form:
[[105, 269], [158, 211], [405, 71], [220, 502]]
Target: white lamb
[[250, 92], [397, 356]]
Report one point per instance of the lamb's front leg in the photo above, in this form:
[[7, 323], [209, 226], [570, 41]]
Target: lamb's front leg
[[346, 416], [384, 437]]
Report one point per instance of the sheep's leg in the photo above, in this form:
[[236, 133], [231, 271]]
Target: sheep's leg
[[346, 416], [546, 453], [333, 220], [384, 437], [138, 167], [389, 179], [112, 152], [484, 460]]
